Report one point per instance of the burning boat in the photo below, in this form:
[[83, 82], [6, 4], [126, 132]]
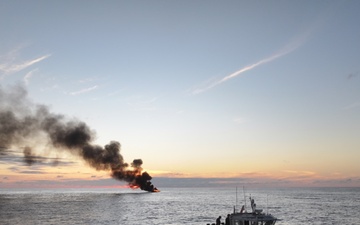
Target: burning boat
[[20, 124]]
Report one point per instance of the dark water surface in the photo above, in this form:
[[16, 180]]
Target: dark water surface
[[176, 206]]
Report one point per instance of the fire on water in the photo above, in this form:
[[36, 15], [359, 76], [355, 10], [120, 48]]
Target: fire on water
[[149, 188], [155, 190]]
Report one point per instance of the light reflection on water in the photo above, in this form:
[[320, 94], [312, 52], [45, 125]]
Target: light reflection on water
[[176, 206]]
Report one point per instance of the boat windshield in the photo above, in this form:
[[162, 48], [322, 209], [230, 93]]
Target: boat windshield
[[237, 222]]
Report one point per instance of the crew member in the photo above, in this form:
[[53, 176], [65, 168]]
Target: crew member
[[218, 220]]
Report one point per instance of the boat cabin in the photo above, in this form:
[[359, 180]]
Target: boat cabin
[[251, 219], [256, 217]]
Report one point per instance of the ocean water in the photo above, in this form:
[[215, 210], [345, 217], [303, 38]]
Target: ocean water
[[176, 206]]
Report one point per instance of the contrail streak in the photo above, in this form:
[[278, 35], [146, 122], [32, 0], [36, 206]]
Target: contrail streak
[[286, 50], [8, 68]]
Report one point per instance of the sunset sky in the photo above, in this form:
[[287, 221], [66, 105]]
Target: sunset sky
[[263, 91]]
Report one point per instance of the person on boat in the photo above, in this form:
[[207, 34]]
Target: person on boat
[[227, 220], [218, 220], [242, 209]]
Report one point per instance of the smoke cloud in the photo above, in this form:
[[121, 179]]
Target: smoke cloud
[[22, 121]]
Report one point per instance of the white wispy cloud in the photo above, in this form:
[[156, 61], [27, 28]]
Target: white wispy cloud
[[142, 103], [11, 66], [88, 80], [288, 48], [240, 120], [85, 90], [29, 75], [240, 71]]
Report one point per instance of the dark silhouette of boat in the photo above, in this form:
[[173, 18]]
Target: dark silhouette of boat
[[255, 217]]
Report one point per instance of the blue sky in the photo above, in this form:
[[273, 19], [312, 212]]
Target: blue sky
[[199, 88]]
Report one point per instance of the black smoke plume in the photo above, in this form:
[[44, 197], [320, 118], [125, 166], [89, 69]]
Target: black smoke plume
[[22, 120]]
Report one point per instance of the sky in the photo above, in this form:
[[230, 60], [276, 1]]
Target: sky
[[239, 91]]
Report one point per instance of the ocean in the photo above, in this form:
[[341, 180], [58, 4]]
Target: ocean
[[196, 206]]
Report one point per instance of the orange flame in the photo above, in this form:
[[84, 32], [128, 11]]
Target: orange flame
[[134, 186]]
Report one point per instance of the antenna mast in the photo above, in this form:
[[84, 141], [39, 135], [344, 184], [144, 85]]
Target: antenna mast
[[236, 203], [244, 198], [267, 203]]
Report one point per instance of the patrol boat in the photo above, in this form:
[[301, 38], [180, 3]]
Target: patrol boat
[[255, 217]]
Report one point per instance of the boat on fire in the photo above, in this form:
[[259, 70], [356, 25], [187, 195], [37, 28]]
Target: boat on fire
[[255, 217]]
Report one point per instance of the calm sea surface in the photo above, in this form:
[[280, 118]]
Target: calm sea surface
[[176, 206]]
